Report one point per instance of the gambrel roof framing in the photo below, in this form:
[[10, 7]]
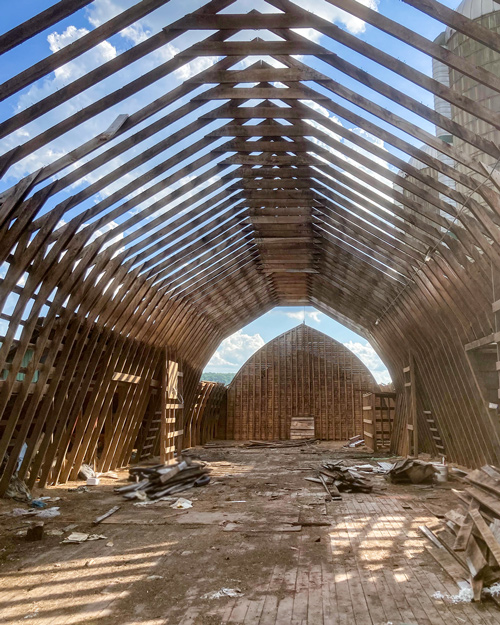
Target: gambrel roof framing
[[237, 191]]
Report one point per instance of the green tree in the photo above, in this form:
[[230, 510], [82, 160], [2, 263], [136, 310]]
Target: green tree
[[213, 376]]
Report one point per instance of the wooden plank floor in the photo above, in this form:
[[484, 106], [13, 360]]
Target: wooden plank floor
[[157, 566]]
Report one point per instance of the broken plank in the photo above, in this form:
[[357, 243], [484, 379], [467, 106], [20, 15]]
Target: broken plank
[[486, 534], [475, 559], [465, 530], [485, 499], [105, 515]]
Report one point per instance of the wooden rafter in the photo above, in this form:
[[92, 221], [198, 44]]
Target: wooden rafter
[[229, 194]]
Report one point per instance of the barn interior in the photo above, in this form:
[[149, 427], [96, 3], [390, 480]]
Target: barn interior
[[170, 172]]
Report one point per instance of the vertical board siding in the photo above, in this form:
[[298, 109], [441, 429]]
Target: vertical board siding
[[303, 372], [207, 416]]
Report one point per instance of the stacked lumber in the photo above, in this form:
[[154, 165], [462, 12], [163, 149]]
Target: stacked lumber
[[355, 441], [475, 526], [411, 470], [162, 480], [301, 427], [336, 478], [276, 444]]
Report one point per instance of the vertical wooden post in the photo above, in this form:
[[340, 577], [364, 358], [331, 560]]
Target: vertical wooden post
[[370, 420], [169, 405], [413, 404], [409, 381], [179, 412], [495, 279], [163, 408]]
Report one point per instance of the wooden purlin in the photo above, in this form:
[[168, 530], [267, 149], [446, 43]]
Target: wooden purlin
[[386, 60], [309, 227]]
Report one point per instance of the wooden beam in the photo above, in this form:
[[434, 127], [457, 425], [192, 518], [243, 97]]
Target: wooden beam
[[42, 21], [458, 22]]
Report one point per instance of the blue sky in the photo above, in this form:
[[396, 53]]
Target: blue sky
[[93, 15], [236, 349], [13, 13]]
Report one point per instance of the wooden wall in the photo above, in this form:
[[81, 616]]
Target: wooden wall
[[301, 372], [207, 413], [96, 283]]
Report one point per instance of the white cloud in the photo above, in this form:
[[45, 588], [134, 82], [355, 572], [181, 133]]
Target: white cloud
[[315, 316], [308, 33], [299, 315], [333, 14], [99, 12], [66, 75], [296, 315], [251, 60], [195, 67], [218, 360], [369, 357], [69, 72], [102, 53], [235, 351], [136, 33], [62, 76], [382, 377]]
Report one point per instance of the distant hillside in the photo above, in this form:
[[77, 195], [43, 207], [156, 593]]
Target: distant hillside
[[210, 376]]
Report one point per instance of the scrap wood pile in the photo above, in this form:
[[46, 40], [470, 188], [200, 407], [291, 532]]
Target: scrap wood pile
[[472, 534], [411, 470], [279, 444], [336, 478], [355, 441], [153, 482]]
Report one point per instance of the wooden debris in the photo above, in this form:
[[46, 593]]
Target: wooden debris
[[477, 530], [107, 514], [386, 466], [280, 444], [475, 559], [35, 532], [336, 479], [464, 532], [355, 441], [486, 534], [441, 544], [430, 535], [162, 480], [331, 489]]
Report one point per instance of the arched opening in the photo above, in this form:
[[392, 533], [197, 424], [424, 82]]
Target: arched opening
[[301, 377], [236, 349]]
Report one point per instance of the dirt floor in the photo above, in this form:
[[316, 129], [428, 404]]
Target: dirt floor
[[260, 529]]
